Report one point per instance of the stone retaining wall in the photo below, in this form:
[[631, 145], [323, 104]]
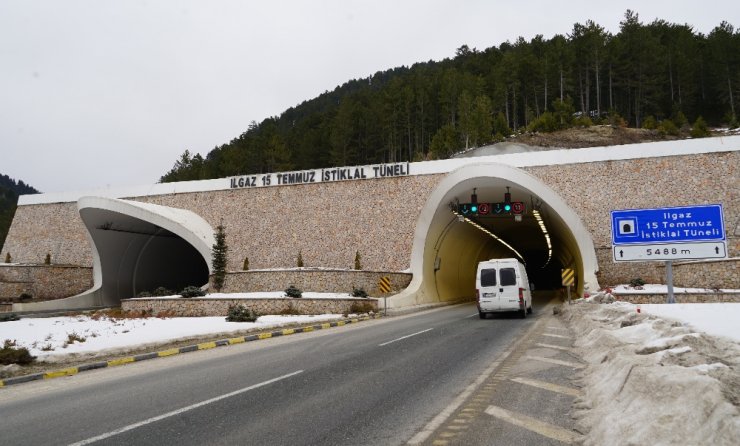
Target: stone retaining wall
[[710, 274], [182, 307], [681, 298], [43, 282], [313, 280], [329, 222]]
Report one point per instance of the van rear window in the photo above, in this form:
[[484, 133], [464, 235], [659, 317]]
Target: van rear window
[[508, 276], [487, 277]]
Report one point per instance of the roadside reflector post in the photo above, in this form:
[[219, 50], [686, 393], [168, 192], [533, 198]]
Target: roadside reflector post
[[669, 281]]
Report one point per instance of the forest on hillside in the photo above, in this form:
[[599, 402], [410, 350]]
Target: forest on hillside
[[658, 75], [9, 192]]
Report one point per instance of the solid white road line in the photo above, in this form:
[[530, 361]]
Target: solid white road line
[[404, 337], [548, 386], [556, 347], [533, 424], [181, 410], [555, 336], [557, 361]]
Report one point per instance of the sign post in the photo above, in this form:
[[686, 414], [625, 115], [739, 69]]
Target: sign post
[[568, 277], [668, 234]]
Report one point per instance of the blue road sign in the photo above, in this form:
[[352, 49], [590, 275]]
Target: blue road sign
[[668, 225]]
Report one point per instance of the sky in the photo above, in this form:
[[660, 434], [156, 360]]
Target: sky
[[105, 94]]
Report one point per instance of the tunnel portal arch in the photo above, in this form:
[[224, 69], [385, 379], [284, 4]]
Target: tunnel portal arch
[[141, 246], [446, 251]]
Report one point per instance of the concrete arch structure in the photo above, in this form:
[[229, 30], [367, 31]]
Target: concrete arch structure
[[138, 247], [446, 251]]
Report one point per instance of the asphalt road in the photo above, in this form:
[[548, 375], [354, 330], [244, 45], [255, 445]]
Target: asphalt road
[[375, 383]]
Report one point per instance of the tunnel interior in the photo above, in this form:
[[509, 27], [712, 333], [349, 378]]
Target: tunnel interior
[[136, 255], [456, 243]]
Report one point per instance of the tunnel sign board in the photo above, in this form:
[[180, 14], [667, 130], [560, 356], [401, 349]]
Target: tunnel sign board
[[676, 233]]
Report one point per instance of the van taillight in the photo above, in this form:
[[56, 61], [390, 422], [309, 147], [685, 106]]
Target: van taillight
[[521, 294], [477, 294]]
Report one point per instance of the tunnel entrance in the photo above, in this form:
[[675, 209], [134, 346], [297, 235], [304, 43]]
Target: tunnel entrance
[[448, 244], [140, 247]]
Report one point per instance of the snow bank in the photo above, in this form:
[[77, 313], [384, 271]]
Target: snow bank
[[51, 338], [653, 381]]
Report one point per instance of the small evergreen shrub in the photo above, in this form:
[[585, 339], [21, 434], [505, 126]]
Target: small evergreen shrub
[[358, 292], [245, 267], [7, 317], [667, 127], [144, 294], [637, 282], [731, 120], [699, 129], [10, 354], [292, 291], [192, 291], [358, 265], [546, 122], [162, 291], [239, 313], [299, 260], [361, 307], [8, 259], [583, 121], [650, 123], [47, 260]]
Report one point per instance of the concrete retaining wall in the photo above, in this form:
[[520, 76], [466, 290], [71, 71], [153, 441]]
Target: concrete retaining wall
[[182, 307]]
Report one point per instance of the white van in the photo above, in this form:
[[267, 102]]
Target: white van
[[502, 285]]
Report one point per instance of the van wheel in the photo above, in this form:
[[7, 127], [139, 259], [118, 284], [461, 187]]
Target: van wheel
[[523, 314], [529, 310], [482, 314]]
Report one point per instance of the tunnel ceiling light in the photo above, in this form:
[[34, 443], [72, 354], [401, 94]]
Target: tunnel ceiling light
[[541, 222], [477, 225]]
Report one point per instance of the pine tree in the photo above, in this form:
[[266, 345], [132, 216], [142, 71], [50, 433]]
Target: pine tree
[[357, 260], [299, 260], [218, 257]]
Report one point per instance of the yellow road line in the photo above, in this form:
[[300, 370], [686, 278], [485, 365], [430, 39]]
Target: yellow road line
[[170, 352], [120, 361], [233, 341], [265, 335], [532, 424], [206, 345], [548, 386], [64, 372]]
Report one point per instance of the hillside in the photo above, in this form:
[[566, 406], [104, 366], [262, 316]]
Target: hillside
[[663, 77], [9, 192]]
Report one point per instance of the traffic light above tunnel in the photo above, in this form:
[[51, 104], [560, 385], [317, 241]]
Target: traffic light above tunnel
[[492, 209]]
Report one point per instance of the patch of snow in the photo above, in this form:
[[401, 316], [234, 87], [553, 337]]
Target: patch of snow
[[46, 337], [718, 319], [681, 395], [652, 288], [706, 368]]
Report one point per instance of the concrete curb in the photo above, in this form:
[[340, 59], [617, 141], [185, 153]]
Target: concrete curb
[[175, 351]]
